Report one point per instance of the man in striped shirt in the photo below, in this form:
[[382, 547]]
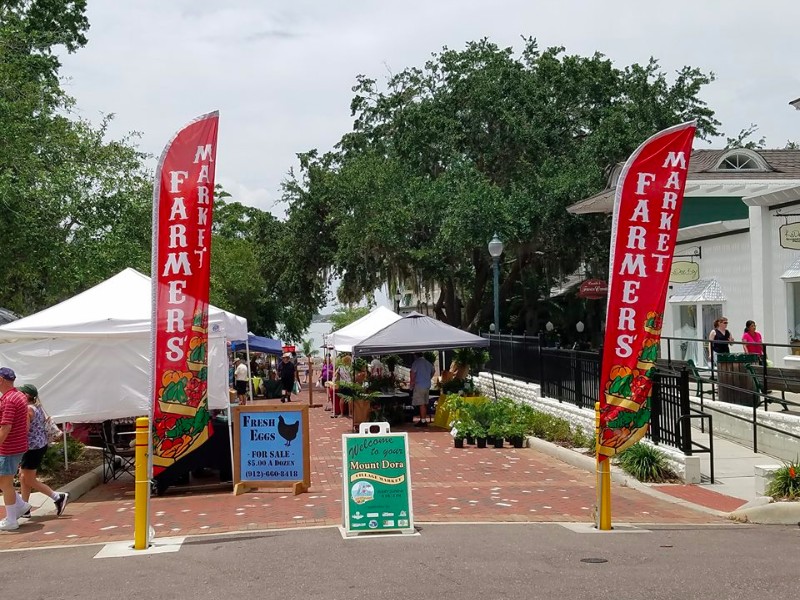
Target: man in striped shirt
[[13, 444]]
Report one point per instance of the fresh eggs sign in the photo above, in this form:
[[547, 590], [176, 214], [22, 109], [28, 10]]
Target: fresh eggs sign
[[271, 448], [377, 482]]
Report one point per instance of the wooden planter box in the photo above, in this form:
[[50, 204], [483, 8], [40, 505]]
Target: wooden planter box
[[360, 411]]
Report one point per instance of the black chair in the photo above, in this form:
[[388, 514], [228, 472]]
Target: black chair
[[117, 460]]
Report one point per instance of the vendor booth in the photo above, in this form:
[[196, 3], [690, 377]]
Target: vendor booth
[[89, 356], [417, 333], [345, 338]]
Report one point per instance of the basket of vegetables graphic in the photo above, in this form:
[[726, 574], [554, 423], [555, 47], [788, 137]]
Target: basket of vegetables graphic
[[627, 388], [200, 321], [649, 354], [196, 361], [180, 434], [653, 322], [623, 429], [181, 393]]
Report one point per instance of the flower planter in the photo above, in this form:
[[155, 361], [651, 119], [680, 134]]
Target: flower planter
[[458, 442], [481, 442], [498, 442], [517, 442], [470, 440], [490, 440]]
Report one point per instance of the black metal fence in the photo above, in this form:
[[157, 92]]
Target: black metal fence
[[574, 376]]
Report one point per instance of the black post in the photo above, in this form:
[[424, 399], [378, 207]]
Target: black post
[[686, 425], [578, 381], [755, 424], [655, 410]]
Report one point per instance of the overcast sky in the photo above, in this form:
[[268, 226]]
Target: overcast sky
[[281, 72]]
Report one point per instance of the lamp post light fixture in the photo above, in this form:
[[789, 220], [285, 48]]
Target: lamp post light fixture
[[549, 326], [398, 295], [579, 326], [495, 251]]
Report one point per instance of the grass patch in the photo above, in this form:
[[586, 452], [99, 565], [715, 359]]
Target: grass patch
[[646, 463]]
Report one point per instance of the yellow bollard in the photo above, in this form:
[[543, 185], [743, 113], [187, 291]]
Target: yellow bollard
[[602, 481], [141, 520]]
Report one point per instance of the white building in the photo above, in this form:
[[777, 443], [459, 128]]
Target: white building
[[738, 250]]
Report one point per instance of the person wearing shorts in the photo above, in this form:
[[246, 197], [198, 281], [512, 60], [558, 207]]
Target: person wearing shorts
[[241, 380], [13, 444], [32, 459], [421, 376]]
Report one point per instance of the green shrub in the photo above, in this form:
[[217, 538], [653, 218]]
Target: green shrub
[[646, 463], [53, 459], [786, 483], [581, 440]]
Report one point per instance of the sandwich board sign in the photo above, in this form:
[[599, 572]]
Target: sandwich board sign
[[271, 448], [377, 481]]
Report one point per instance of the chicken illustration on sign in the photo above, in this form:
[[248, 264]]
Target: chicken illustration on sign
[[288, 431]]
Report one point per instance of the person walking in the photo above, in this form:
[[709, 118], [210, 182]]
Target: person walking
[[326, 380], [288, 377], [421, 376], [13, 444], [344, 375], [32, 459]]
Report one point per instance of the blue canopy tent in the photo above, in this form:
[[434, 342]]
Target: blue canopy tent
[[258, 344]]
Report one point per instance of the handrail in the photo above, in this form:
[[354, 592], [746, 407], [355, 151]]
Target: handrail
[[702, 449]]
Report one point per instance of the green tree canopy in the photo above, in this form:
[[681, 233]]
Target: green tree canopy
[[479, 141]]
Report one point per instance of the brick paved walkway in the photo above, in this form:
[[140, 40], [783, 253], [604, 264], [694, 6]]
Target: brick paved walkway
[[449, 484]]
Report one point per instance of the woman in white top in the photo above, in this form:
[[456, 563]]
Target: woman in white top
[[343, 375]]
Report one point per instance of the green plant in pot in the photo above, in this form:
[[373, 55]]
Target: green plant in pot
[[451, 386], [359, 399], [498, 430], [382, 383], [391, 362]]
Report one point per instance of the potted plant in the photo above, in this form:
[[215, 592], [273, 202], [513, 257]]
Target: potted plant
[[360, 366], [794, 342], [391, 362], [359, 399], [498, 430]]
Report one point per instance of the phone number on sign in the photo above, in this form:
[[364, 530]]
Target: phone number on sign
[[264, 475]]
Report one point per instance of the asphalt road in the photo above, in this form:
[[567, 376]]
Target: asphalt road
[[489, 561]]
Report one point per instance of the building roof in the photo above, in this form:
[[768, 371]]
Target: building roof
[[776, 167], [702, 290]]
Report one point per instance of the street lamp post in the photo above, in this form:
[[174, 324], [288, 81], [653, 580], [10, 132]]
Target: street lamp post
[[398, 295], [495, 251]]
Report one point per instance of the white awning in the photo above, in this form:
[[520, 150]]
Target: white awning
[[702, 290], [793, 272]]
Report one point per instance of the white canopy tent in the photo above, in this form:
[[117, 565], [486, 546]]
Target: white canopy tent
[[90, 355], [345, 338]]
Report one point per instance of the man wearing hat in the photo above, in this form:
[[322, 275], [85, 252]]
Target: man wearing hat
[[13, 444], [288, 376]]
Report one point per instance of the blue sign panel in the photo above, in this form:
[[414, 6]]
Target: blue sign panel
[[271, 445]]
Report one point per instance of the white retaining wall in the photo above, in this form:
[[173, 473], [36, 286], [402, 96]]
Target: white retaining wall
[[687, 467], [741, 432]]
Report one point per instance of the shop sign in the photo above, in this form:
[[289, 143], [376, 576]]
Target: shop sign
[[684, 271], [271, 448], [377, 483], [593, 289], [790, 236]]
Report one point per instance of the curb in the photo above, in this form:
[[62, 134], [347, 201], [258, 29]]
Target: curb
[[774, 513], [618, 476], [78, 487]]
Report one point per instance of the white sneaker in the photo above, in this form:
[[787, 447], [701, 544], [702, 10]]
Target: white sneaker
[[25, 511], [6, 525]]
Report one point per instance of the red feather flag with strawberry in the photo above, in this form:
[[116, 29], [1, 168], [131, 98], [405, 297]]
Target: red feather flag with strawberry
[[183, 198], [646, 213]]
